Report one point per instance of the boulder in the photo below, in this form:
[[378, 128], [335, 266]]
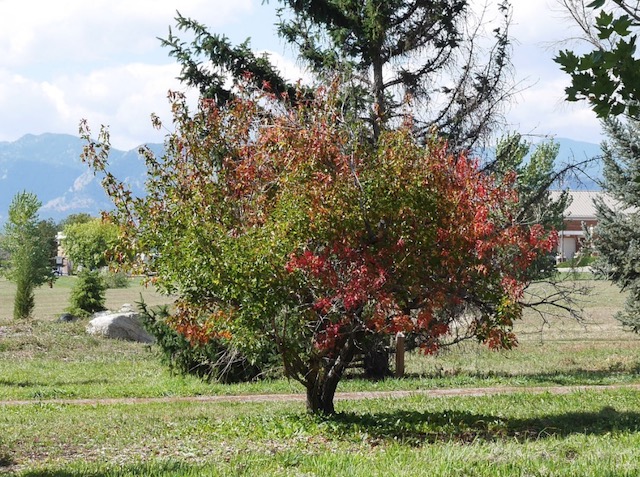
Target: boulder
[[123, 325], [66, 318]]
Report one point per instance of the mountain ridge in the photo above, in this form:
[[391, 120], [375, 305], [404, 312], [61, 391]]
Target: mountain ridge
[[49, 165]]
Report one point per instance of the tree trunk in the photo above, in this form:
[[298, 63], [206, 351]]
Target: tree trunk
[[324, 379], [379, 106]]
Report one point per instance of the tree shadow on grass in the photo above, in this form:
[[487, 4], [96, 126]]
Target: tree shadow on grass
[[418, 428], [156, 469], [36, 384]]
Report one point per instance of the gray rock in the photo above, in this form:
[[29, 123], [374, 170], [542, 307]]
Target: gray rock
[[119, 325], [67, 318]]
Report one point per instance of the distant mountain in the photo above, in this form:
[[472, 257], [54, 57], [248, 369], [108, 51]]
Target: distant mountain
[[575, 152], [49, 165], [570, 152]]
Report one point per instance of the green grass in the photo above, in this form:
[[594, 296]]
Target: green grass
[[582, 261], [52, 302], [586, 433]]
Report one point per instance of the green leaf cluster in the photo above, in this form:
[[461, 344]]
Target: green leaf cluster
[[608, 77], [88, 293], [89, 244]]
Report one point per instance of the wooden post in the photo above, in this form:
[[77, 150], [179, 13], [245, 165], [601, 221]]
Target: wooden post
[[400, 355]]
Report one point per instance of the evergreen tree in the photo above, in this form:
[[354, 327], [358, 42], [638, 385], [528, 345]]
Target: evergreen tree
[[536, 171], [423, 54], [88, 293], [608, 78], [617, 235]]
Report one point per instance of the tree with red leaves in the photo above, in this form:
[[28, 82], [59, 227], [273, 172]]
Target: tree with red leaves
[[279, 224]]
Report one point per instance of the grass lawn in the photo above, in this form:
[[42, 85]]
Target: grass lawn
[[584, 433]]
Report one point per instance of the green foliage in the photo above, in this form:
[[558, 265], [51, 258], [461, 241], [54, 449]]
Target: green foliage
[[213, 360], [28, 250], [72, 219], [292, 229], [608, 77], [231, 61], [88, 244], [47, 230], [116, 280], [88, 293], [617, 235], [25, 299], [536, 173], [428, 51]]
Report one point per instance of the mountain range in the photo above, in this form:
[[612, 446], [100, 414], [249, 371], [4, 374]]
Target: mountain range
[[49, 165]]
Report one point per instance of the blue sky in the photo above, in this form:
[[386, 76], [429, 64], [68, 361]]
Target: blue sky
[[100, 60]]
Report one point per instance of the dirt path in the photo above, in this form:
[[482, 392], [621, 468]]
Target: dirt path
[[339, 396]]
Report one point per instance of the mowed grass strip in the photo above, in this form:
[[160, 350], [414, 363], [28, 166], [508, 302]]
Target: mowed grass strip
[[585, 433]]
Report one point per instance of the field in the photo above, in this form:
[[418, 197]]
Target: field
[[585, 432]]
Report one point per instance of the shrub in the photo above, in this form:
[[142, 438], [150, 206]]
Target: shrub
[[212, 360], [116, 280], [87, 295]]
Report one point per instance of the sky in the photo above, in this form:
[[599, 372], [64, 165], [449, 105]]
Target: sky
[[66, 60]]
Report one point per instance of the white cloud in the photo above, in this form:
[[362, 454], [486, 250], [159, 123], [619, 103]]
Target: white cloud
[[65, 204], [101, 60], [32, 30], [538, 28], [122, 97]]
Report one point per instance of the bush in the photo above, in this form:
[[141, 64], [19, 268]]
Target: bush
[[212, 361], [116, 280], [87, 295]]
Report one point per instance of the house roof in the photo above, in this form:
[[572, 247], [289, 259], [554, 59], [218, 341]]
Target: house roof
[[581, 206]]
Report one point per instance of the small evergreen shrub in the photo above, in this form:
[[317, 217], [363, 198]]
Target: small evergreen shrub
[[211, 361], [88, 294]]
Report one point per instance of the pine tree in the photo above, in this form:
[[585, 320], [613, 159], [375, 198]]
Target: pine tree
[[424, 55], [617, 235], [88, 293]]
